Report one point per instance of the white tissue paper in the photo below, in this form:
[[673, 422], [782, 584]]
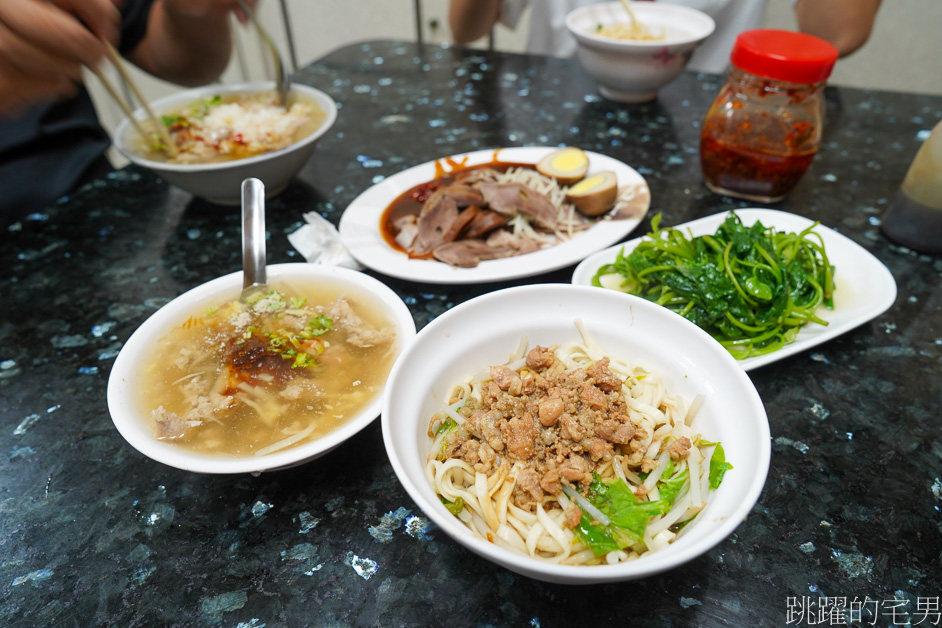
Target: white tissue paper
[[319, 242]]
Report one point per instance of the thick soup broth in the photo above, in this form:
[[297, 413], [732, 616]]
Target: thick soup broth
[[227, 127], [286, 369]]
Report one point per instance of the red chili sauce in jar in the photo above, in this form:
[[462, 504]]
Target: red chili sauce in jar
[[763, 130]]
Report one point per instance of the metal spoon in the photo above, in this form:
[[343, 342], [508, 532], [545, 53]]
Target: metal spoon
[[281, 73], [253, 238]]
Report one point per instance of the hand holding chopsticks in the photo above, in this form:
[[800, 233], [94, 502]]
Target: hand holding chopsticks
[[44, 48], [166, 142]]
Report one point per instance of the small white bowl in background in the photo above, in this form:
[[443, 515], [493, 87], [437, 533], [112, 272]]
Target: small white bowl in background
[[632, 71], [133, 421], [486, 330], [221, 182]]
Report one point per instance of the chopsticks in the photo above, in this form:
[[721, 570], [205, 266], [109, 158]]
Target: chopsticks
[[159, 128], [281, 73]]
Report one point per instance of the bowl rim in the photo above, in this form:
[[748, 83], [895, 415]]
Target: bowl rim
[[128, 417], [626, 45], [572, 574], [124, 127]]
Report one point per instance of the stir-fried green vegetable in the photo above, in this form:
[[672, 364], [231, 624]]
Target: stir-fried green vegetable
[[751, 288]]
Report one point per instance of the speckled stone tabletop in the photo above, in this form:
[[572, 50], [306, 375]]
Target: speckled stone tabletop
[[847, 531]]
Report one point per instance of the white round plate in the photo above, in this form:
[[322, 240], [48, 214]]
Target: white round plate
[[863, 286], [360, 225]]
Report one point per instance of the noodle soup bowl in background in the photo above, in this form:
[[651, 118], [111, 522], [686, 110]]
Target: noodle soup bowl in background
[[132, 418], [632, 71], [485, 331], [221, 182]]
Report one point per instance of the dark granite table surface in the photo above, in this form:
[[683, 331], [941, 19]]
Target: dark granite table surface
[[847, 530]]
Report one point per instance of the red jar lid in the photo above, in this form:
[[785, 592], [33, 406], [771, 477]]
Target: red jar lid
[[783, 55]]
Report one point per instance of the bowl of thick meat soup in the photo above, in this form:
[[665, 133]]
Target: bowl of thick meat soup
[[214, 137], [215, 383], [575, 435]]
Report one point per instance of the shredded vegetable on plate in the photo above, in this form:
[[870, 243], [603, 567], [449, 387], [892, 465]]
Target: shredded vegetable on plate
[[752, 288]]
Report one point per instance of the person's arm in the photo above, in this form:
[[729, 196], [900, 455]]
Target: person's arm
[[43, 46], [844, 23], [187, 42], [472, 19]]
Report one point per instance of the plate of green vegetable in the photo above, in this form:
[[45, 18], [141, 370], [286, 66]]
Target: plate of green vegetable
[[764, 283]]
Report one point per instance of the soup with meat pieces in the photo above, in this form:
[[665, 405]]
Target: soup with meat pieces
[[233, 126], [285, 368]]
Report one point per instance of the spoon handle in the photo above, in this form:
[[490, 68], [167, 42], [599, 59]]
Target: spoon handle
[[253, 233]]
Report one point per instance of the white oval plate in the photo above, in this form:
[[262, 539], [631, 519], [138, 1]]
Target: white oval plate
[[864, 287], [360, 225]]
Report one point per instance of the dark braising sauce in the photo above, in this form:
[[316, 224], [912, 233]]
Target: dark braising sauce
[[409, 203]]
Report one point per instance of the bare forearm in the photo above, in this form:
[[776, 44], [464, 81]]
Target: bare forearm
[[844, 23], [183, 46], [472, 19]]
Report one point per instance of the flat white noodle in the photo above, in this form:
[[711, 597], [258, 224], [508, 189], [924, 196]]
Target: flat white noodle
[[659, 417]]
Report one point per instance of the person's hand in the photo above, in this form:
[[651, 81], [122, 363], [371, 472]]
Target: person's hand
[[209, 8], [45, 43]]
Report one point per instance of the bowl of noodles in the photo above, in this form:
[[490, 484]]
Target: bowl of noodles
[[632, 59], [575, 435], [215, 383], [216, 136]]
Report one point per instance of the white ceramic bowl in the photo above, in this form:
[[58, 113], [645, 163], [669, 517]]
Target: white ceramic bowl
[[632, 71], [133, 421], [221, 182], [486, 330]]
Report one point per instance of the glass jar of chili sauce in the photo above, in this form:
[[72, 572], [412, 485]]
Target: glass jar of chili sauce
[[764, 128]]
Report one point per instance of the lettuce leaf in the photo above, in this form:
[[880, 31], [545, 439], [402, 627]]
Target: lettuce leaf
[[629, 517], [669, 488], [718, 466]]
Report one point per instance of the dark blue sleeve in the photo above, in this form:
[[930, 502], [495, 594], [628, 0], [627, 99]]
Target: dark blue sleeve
[[133, 24]]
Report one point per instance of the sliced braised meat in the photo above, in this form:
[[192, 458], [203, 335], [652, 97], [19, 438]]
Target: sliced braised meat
[[468, 253], [506, 238], [433, 225], [463, 195], [464, 218], [472, 175], [407, 228], [484, 220], [432, 201], [503, 198], [511, 199]]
